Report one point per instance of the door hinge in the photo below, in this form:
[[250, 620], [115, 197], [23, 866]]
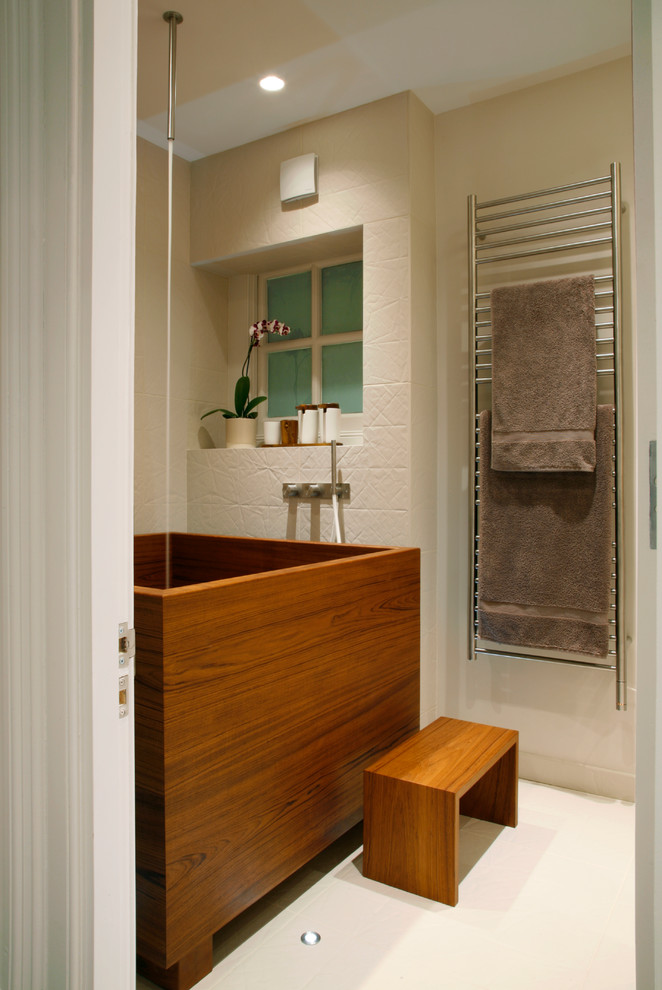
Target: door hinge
[[127, 644]]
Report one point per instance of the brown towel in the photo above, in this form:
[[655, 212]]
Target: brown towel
[[544, 375], [545, 551]]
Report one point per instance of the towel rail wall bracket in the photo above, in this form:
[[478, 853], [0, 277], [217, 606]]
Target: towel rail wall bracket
[[553, 237]]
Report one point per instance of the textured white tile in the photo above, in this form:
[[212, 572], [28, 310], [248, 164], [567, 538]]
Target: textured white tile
[[386, 300], [387, 528], [383, 488], [213, 518], [386, 362], [387, 405], [356, 205], [387, 446], [385, 241]]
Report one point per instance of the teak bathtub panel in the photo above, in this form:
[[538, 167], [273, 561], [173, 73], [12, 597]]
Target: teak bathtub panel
[[277, 691], [197, 558], [279, 695]]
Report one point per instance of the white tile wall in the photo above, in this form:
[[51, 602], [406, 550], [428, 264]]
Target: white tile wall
[[365, 177], [229, 490]]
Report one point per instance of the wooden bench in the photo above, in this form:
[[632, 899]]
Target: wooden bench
[[414, 795]]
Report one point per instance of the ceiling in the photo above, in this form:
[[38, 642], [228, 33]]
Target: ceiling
[[337, 54]]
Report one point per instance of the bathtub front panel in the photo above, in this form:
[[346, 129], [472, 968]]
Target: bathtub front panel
[[272, 694]]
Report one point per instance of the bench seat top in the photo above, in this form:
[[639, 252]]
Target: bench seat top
[[448, 755]]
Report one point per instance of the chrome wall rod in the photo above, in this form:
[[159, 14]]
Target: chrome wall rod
[[599, 292], [542, 221], [621, 671], [484, 351], [599, 371], [545, 235], [488, 323], [542, 192], [543, 206], [473, 420], [173, 17], [546, 659], [545, 250], [596, 278], [597, 309], [482, 324]]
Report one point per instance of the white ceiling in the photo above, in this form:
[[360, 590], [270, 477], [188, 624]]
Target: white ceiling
[[337, 54]]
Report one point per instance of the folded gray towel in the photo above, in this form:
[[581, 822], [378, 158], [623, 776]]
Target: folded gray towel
[[545, 551], [544, 375]]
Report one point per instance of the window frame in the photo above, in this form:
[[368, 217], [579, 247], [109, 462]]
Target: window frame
[[351, 423]]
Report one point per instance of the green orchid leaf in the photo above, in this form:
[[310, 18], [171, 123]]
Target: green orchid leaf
[[241, 391], [253, 403], [226, 413]]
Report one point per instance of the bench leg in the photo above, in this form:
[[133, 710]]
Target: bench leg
[[411, 837], [183, 974], [494, 797]]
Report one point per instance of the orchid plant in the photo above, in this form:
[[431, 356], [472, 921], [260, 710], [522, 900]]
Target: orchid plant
[[244, 408]]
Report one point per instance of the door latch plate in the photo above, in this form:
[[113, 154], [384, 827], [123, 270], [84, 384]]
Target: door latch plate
[[124, 695]]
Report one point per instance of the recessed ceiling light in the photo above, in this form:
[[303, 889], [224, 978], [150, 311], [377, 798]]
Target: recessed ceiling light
[[272, 83]]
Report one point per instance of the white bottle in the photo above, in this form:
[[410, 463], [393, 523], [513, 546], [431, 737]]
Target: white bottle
[[329, 422], [307, 423]]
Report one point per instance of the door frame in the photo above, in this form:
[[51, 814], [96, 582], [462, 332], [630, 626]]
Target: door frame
[[67, 207]]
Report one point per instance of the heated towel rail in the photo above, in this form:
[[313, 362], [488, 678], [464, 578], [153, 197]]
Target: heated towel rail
[[566, 230]]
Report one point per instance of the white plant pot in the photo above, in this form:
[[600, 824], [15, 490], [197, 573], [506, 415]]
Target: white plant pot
[[240, 432]]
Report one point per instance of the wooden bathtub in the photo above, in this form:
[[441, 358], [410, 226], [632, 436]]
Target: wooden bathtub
[[267, 677]]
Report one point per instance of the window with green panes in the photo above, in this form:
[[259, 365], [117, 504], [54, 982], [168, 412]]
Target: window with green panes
[[322, 358]]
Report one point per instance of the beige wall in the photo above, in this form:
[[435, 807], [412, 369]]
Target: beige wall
[[198, 336], [547, 135], [375, 173]]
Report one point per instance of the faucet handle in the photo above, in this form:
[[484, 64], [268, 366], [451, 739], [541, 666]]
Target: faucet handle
[[291, 491]]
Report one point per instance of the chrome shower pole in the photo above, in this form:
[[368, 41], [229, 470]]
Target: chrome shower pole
[[173, 17]]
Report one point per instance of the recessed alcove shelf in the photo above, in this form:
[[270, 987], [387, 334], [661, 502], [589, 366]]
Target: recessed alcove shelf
[[333, 243]]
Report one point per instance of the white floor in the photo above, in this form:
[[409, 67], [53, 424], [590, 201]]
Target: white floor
[[549, 904]]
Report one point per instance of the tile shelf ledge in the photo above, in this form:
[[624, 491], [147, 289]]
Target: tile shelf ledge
[[279, 446], [276, 445]]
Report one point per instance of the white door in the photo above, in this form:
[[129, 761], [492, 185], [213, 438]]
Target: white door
[[112, 390], [647, 53], [67, 147]]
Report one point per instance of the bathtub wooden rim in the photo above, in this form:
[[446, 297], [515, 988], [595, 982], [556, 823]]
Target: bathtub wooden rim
[[358, 554]]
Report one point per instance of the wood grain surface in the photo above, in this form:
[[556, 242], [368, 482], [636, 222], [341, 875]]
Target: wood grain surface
[[414, 796], [196, 558], [260, 699]]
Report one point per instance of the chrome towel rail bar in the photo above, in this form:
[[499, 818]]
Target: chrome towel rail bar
[[543, 192], [540, 215]]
